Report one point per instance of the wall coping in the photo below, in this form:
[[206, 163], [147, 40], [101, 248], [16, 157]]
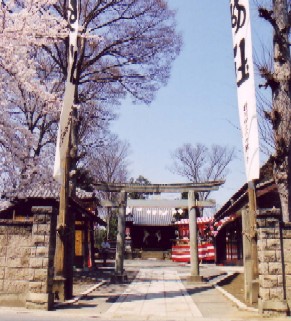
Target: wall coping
[[6, 222]]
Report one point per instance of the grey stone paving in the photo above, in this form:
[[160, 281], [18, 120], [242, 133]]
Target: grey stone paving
[[160, 292], [154, 294]]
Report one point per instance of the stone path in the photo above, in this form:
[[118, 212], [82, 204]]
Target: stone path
[[155, 294], [160, 292]]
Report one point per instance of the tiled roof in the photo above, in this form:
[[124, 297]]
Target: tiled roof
[[43, 193], [200, 220], [151, 216], [49, 191], [240, 198], [40, 191]]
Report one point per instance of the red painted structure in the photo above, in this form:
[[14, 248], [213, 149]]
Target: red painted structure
[[181, 246]]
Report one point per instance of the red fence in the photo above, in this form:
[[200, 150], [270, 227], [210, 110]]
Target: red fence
[[181, 253]]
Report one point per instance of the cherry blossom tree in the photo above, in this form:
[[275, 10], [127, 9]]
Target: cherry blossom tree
[[125, 47], [25, 24], [25, 124]]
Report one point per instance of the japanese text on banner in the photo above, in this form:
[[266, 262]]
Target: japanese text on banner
[[245, 80]]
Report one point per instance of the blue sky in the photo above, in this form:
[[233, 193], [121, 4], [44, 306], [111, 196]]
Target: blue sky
[[199, 104]]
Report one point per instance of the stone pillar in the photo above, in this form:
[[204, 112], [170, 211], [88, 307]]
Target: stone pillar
[[120, 240], [41, 265], [193, 238], [272, 300]]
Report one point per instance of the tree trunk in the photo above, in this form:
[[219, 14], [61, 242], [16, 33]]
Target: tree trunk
[[281, 111]]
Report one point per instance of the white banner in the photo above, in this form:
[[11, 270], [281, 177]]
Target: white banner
[[242, 42], [66, 113]]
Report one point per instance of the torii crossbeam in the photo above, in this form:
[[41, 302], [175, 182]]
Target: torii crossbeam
[[159, 188]]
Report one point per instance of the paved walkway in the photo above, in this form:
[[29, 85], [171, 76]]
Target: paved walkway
[[159, 292], [154, 294]]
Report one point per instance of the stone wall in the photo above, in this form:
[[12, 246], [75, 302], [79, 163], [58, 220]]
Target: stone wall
[[26, 260], [272, 277], [15, 249]]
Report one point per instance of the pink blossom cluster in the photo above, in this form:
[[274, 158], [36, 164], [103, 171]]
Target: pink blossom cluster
[[25, 25]]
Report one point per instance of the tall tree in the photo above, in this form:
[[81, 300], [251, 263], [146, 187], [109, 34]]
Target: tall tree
[[26, 97], [278, 78], [124, 47], [108, 163], [29, 125], [140, 180], [199, 163]]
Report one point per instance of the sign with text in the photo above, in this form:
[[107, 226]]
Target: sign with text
[[245, 80], [66, 113]]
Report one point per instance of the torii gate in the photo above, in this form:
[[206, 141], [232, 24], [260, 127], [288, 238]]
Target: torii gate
[[191, 203]]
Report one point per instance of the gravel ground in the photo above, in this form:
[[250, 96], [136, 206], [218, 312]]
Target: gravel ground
[[235, 286]]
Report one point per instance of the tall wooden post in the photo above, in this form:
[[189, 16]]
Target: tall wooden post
[[59, 280], [254, 273], [247, 255], [69, 255], [92, 245], [71, 215], [120, 244], [193, 237]]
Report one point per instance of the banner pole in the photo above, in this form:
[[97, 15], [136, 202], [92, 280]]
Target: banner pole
[[254, 273]]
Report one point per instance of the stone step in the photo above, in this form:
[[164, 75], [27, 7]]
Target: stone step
[[158, 255]]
